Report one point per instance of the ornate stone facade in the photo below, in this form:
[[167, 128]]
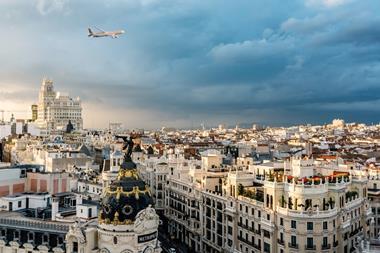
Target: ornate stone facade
[[56, 109], [127, 221]]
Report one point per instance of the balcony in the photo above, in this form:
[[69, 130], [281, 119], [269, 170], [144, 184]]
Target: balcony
[[242, 225], [373, 190], [267, 223], [346, 224], [281, 242], [335, 244], [257, 246], [310, 247], [293, 246], [307, 214], [326, 246], [34, 225], [245, 240], [246, 227], [307, 189], [356, 231], [353, 203]]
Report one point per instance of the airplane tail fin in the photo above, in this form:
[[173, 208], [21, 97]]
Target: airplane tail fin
[[90, 33]]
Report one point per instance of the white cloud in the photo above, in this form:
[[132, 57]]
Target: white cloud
[[260, 48], [326, 3], [45, 7], [307, 24]]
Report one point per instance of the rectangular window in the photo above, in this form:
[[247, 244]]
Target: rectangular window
[[310, 242], [310, 226], [266, 247], [281, 222], [293, 240], [293, 224], [325, 225], [324, 241], [75, 247]]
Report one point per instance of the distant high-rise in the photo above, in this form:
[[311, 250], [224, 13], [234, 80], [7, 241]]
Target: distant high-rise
[[56, 109]]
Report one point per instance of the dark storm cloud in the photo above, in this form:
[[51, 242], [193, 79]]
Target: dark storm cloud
[[194, 61]]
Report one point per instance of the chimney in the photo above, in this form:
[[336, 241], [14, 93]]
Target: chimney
[[54, 208], [78, 199]]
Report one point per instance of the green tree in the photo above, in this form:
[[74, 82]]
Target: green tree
[[240, 189]]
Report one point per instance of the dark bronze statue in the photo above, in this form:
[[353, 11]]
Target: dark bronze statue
[[129, 146]]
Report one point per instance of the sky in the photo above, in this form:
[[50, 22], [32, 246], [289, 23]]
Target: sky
[[182, 63]]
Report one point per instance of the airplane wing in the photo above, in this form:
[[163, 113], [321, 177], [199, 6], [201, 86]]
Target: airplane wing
[[100, 29]]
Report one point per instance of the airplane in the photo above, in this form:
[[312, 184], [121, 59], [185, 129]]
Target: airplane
[[102, 33]]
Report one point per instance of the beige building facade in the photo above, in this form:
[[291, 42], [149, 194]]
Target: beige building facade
[[56, 109]]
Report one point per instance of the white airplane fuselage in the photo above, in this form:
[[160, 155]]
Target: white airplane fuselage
[[113, 34]]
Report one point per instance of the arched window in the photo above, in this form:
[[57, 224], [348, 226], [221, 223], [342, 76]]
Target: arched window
[[30, 237]]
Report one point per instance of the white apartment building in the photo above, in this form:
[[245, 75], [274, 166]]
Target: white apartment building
[[258, 208], [56, 109], [155, 171], [325, 213], [374, 197]]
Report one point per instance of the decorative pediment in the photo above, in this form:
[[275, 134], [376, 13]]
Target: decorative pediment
[[58, 250], [28, 246], [43, 248], [127, 251], [146, 219], [14, 244], [76, 232], [104, 250]]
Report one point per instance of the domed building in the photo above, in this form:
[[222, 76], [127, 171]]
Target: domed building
[[127, 222]]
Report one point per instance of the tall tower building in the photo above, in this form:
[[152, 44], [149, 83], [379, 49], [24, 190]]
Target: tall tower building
[[56, 109]]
